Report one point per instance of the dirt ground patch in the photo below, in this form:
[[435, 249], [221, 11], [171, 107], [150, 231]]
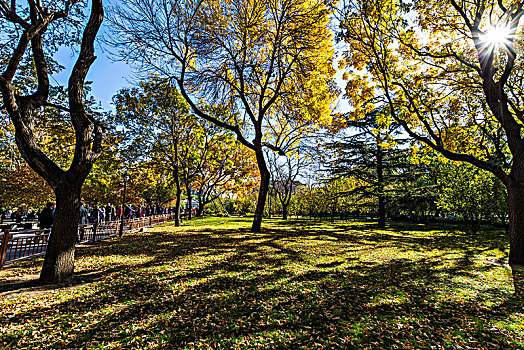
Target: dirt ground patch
[[28, 286]]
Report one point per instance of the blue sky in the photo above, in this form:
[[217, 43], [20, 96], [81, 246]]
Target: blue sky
[[108, 77]]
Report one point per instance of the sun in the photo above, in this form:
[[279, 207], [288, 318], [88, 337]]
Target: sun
[[497, 35]]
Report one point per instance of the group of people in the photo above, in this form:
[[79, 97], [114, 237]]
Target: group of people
[[88, 214], [44, 216], [17, 215]]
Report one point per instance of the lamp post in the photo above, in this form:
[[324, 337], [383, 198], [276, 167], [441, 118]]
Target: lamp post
[[125, 179]]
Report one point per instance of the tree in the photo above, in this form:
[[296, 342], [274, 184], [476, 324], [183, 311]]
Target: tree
[[285, 174], [450, 81], [325, 198], [229, 168], [159, 131], [417, 197], [470, 192], [9, 155], [305, 201], [102, 185], [197, 150], [367, 151], [259, 59], [21, 187], [33, 31]]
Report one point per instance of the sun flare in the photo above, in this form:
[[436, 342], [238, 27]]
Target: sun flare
[[497, 35]]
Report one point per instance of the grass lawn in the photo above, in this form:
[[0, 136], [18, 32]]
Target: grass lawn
[[299, 284]]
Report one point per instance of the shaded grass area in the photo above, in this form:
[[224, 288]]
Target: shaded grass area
[[298, 284]]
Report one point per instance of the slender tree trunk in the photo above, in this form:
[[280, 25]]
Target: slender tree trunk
[[60, 255], [178, 197], [516, 225], [189, 202], [269, 204], [263, 189], [381, 211], [176, 175], [381, 185], [200, 208], [333, 208]]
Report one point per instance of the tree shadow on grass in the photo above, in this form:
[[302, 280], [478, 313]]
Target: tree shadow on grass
[[259, 291], [339, 229], [410, 238], [391, 305], [175, 244], [29, 285], [239, 293], [162, 247]]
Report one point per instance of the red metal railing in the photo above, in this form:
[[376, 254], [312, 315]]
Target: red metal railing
[[16, 247], [31, 243]]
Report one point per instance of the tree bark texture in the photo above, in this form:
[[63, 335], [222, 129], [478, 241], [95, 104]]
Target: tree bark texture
[[59, 260], [516, 225], [178, 196], [285, 211], [381, 211], [200, 209], [381, 186], [263, 190]]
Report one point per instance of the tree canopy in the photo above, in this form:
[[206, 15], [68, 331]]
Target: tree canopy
[[446, 77], [269, 62]]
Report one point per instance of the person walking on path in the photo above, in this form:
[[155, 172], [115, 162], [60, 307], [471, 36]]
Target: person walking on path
[[45, 217]]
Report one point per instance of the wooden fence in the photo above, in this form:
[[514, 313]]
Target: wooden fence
[[16, 246]]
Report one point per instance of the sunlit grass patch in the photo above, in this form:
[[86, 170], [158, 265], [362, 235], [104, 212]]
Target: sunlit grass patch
[[213, 284]]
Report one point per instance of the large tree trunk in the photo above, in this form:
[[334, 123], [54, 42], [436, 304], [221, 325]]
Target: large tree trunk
[[516, 225], [60, 254], [201, 204], [262, 192]]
